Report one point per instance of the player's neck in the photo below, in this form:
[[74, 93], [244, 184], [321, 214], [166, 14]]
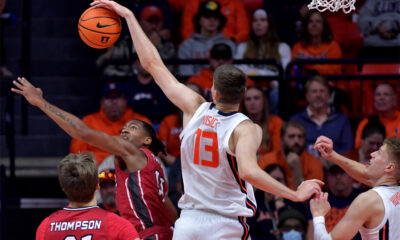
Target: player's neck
[[386, 181], [91, 203], [226, 108]]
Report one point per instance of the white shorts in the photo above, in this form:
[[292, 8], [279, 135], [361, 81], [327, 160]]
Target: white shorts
[[199, 225]]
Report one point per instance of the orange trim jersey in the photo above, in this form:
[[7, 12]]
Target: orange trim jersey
[[388, 229], [209, 169], [311, 166], [99, 121]]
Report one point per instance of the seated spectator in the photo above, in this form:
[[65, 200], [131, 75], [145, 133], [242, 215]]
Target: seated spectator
[[263, 43], [146, 97], [340, 195], [319, 119], [255, 106], [317, 43], [77, 174], [298, 164], [236, 27], [379, 22], [385, 104], [288, 15], [208, 23], [220, 54], [372, 137], [292, 224], [111, 117], [107, 191], [264, 224], [171, 128]]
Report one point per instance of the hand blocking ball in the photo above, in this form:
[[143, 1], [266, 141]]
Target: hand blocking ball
[[99, 27]]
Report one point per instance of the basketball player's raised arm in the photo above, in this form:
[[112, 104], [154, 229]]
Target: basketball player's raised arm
[[366, 206], [351, 167], [76, 128], [183, 97], [246, 139]]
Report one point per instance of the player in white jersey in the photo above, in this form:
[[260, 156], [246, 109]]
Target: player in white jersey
[[218, 148], [375, 213]]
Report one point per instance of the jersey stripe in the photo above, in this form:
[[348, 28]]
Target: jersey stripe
[[245, 228], [140, 206], [130, 203], [384, 232], [233, 164]]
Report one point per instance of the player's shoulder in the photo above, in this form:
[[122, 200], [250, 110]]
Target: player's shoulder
[[367, 200], [248, 126]]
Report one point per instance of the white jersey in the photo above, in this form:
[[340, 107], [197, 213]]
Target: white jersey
[[209, 169], [389, 228]]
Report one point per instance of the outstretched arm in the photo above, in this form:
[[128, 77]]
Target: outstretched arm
[[76, 128], [355, 169], [183, 97], [246, 139]]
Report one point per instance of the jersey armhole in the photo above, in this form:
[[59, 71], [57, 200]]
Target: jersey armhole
[[199, 110], [229, 134]]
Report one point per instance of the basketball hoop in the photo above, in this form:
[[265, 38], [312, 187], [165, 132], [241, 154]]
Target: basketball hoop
[[332, 5]]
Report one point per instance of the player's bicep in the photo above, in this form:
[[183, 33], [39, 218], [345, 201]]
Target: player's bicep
[[181, 96]]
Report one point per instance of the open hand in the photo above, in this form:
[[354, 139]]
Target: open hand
[[319, 205], [23, 87], [117, 8], [308, 188], [325, 146]]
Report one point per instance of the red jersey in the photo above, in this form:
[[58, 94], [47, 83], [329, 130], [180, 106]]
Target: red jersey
[[85, 224], [140, 199]]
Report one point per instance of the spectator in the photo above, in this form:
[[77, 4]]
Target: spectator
[[108, 190], [372, 137], [385, 104], [146, 97], [208, 23], [288, 15], [255, 106], [379, 22], [318, 119], [110, 119], [220, 54], [297, 163], [341, 195], [292, 224], [236, 27], [77, 174], [317, 43], [263, 43], [264, 224]]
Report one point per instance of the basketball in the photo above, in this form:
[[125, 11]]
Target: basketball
[[99, 27]]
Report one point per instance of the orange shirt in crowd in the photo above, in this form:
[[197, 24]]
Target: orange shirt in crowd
[[205, 80], [274, 131], [169, 131], [100, 122], [323, 51], [392, 126], [237, 23], [310, 165]]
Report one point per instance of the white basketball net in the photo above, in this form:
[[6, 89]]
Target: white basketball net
[[332, 5]]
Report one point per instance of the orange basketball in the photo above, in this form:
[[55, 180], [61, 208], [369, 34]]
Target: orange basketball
[[99, 27]]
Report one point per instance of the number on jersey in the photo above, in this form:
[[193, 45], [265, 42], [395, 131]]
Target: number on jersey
[[213, 149]]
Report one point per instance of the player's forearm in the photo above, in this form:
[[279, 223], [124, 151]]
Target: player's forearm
[[353, 168], [320, 232], [71, 124]]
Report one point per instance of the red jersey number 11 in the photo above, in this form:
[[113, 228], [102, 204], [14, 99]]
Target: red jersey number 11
[[213, 148]]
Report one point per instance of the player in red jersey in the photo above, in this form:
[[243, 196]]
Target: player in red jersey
[[83, 219], [141, 186]]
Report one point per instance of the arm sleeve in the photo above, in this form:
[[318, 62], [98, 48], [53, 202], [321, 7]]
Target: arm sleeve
[[320, 232]]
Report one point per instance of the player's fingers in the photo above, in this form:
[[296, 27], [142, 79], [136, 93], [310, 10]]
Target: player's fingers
[[24, 81], [17, 91], [17, 84], [317, 181]]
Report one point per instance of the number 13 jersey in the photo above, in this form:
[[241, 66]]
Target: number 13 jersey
[[209, 169]]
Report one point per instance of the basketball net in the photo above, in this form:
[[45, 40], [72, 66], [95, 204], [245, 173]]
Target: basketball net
[[332, 5]]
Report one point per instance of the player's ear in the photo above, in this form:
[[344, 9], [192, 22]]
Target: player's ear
[[147, 141], [390, 167]]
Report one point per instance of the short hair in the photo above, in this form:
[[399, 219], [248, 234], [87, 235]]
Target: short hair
[[373, 126], [230, 82], [393, 148], [78, 176], [292, 123], [318, 79]]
